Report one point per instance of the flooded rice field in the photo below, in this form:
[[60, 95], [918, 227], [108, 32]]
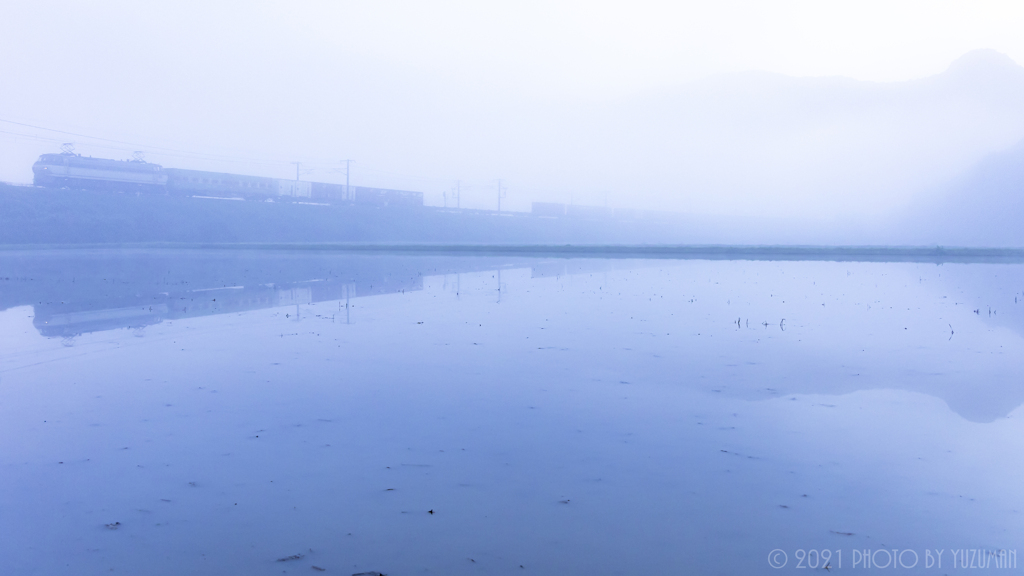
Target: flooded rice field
[[245, 412]]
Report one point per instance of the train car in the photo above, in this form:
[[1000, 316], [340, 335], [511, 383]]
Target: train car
[[588, 212], [75, 171], [295, 189], [364, 196], [547, 209], [382, 197], [224, 185], [331, 193], [200, 183]]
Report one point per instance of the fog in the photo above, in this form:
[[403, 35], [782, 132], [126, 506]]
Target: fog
[[848, 120], [511, 288]]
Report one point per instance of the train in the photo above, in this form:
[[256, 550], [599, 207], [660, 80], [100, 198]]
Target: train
[[74, 171]]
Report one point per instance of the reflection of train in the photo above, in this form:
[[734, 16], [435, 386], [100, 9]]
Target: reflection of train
[[115, 289], [74, 171]]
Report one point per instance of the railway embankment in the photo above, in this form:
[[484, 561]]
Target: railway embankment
[[30, 215]]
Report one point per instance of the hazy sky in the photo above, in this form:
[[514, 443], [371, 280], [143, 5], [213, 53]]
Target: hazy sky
[[423, 93], [579, 48]]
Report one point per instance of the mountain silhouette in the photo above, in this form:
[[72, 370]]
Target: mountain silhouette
[[983, 207]]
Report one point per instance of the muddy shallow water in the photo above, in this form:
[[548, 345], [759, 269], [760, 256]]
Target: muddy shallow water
[[204, 412]]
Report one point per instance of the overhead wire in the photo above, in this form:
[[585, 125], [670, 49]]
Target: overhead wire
[[163, 150], [308, 166]]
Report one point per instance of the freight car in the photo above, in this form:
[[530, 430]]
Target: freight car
[[341, 194], [385, 197], [69, 170]]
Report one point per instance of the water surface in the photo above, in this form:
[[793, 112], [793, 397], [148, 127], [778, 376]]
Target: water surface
[[205, 412]]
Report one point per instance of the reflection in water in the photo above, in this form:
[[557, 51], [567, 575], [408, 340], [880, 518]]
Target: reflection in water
[[74, 293], [222, 412]]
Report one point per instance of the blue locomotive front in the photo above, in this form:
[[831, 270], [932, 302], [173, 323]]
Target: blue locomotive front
[[74, 171]]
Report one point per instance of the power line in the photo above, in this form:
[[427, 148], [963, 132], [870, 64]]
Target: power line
[[94, 137], [30, 136], [136, 146], [114, 144]]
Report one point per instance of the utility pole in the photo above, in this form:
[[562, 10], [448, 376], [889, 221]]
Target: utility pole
[[347, 194], [458, 194], [501, 194], [297, 166]]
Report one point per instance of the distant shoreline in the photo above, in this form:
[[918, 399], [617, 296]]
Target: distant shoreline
[[927, 254]]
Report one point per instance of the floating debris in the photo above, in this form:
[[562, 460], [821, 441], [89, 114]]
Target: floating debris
[[290, 558], [113, 526]]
